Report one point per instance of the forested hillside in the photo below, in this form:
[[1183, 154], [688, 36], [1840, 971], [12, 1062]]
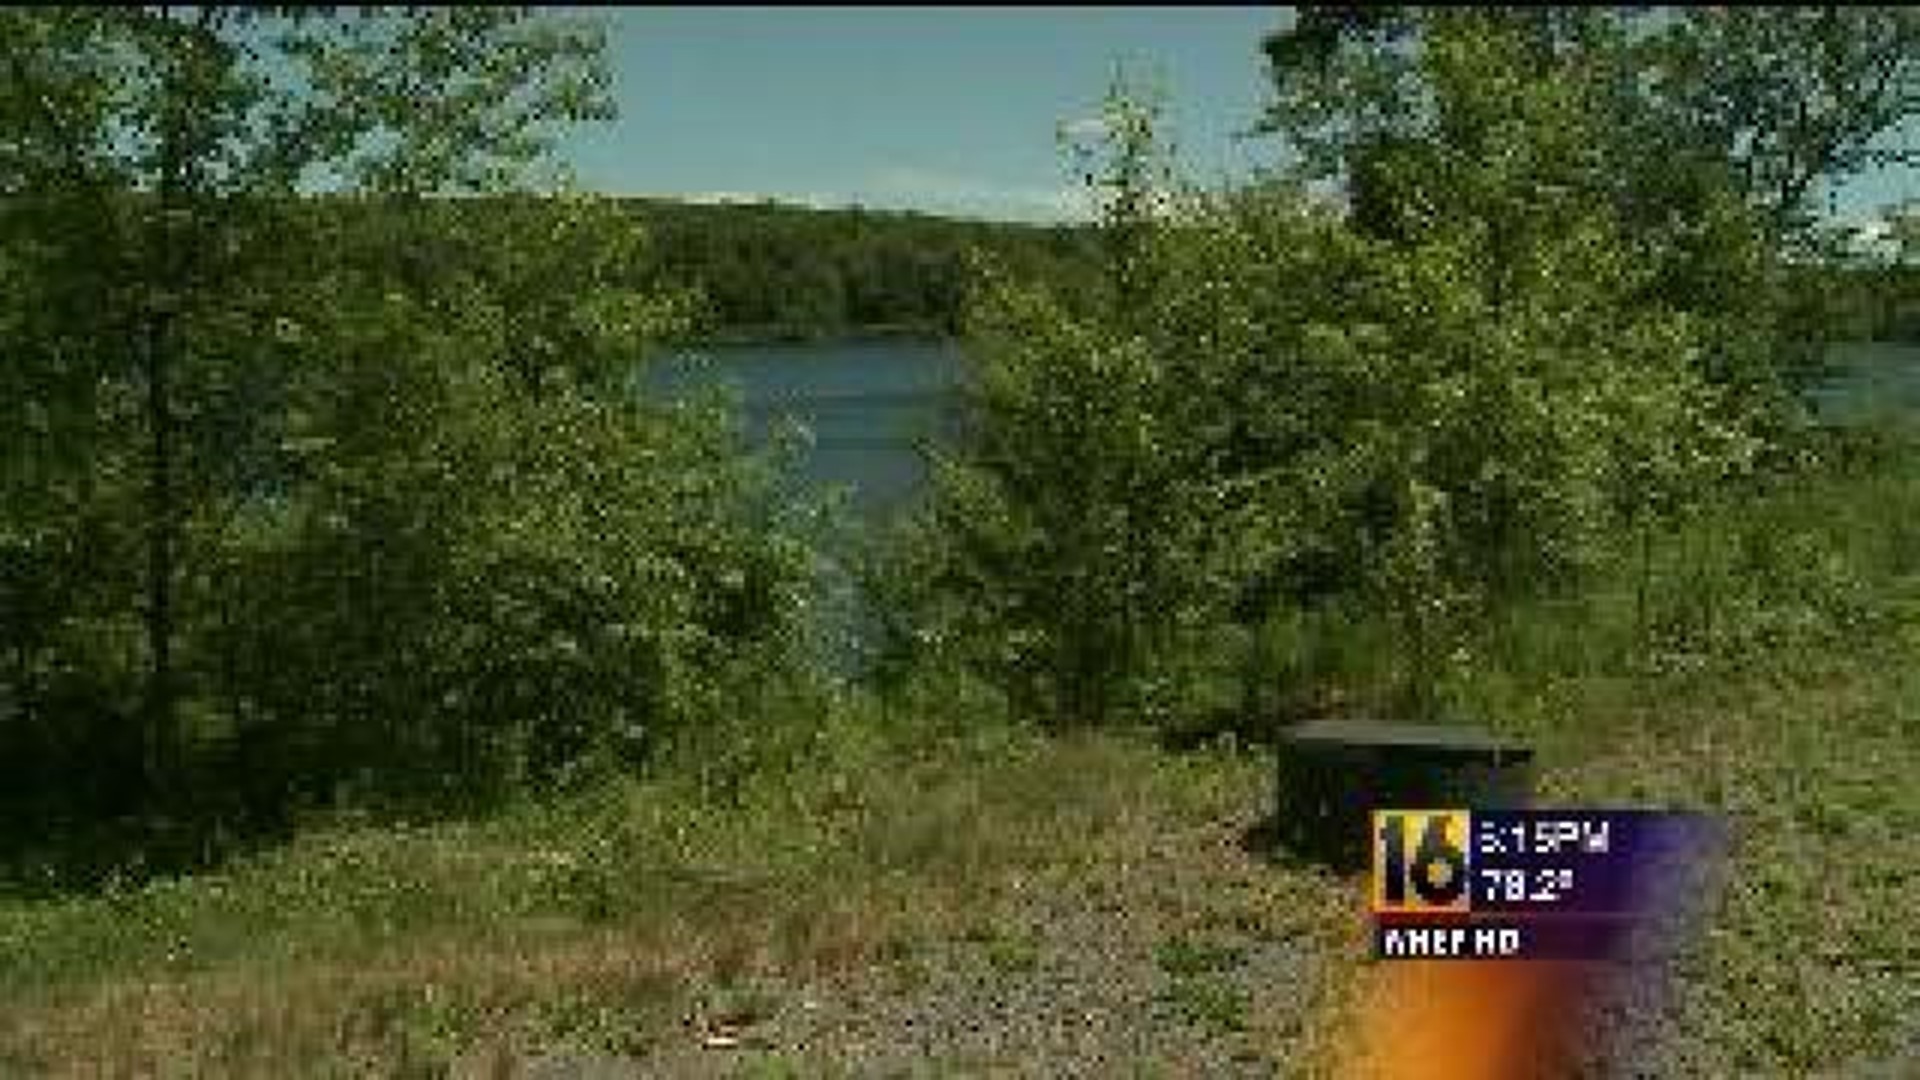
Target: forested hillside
[[771, 270]]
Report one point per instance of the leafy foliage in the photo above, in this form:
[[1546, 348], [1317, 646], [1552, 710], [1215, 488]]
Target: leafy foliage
[[1712, 133], [1069, 551], [409, 532], [1461, 396], [1692, 99], [494, 552]]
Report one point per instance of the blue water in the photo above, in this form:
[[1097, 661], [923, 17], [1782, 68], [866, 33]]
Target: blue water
[[870, 404], [1875, 381], [867, 406]]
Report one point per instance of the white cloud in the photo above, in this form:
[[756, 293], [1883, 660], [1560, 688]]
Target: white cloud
[[814, 200], [720, 197], [1085, 127], [927, 190], [1870, 236], [947, 192]]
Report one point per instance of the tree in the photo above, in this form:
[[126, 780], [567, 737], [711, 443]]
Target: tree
[[1903, 225], [1716, 129], [153, 166], [1565, 369], [1777, 102], [1431, 413], [1898, 315], [1065, 554]]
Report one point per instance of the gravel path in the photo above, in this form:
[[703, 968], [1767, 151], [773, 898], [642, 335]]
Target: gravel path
[[1185, 963]]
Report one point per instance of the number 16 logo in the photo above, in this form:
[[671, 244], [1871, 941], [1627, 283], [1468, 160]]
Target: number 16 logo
[[1434, 876]]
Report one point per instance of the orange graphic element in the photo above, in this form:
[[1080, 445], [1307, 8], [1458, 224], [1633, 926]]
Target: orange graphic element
[[1469, 1020]]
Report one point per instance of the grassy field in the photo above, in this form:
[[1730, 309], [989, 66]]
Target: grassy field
[[1006, 901], [909, 896]]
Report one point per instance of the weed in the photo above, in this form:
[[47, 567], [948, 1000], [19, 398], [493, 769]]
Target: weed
[[1181, 957], [1013, 954], [1206, 1002]]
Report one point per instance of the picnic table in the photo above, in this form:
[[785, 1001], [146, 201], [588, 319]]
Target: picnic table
[[1332, 773]]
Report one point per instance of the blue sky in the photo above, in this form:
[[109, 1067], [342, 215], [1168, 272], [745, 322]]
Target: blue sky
[[949, 110], [944, 109]]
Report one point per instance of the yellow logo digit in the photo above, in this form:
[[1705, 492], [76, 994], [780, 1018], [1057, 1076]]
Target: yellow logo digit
[[1420, 861]]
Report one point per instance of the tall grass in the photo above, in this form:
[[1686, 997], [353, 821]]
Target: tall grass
[[1773, 573]]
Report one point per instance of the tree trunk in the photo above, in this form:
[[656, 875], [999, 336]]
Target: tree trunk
[[1640, 591], [158, 737]]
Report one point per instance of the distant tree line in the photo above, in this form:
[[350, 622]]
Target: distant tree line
[[776, 271], [1872, 303], [773, 271]]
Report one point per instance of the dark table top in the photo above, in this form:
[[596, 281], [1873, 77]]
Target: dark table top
[[1454, 738]]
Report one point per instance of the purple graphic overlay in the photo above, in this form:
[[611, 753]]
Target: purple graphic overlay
[[1586, 862], [1677, 881], [1627, 886], [1499, 938]]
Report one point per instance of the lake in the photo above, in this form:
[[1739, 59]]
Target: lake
[[1877, 379], [869, 403], [869, 406]]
